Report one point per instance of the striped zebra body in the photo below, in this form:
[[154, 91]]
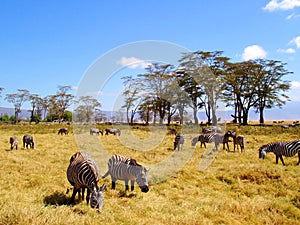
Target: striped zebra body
[[178, 142], [95, 131], [280, 149], [13, 143], [203, 139], [83, 172], [122, 168]]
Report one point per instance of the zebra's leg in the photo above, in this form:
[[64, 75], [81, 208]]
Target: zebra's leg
[[299, 159], [126, 185], [132, 185], [88, 194], [73, 195], [113, 183]]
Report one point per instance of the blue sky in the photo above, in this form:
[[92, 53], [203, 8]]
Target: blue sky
[[49, 43]]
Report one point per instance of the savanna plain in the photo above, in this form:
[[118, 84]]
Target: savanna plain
[[193, 186]]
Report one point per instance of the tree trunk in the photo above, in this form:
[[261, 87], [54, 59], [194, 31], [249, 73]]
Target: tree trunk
[[261, 115]]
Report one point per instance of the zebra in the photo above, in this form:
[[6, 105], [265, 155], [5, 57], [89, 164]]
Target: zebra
[[222, 138], [63, 130], [28, 141], [280, 149], [112, 131], [208, 130], [83, 172], [123, 168], [95, 131], [178, 142], [13, 143], [203, 138]]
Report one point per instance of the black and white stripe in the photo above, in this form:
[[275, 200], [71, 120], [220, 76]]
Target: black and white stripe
[[178, 142], [280, 149], [203, 139], [83, 172], [13, 143], [123, 168]]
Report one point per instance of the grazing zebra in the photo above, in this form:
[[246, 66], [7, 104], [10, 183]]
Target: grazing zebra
[[13, 143], [178, 142], [222, 138], [203, 138], [280, 149], [122, 168], [83, 172], [112, 131], [95, 131], [239, 141], [28, 141], [63, 130]]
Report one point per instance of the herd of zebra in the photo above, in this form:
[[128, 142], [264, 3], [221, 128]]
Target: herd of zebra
[[213, 135], [83, 172], [27, 141]]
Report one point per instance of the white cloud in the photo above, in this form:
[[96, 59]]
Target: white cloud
[[254, 52], [133, 62], [274, 5], [294, 92], [296, 41], [288, 51]]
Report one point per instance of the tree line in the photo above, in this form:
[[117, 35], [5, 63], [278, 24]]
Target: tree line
[[200, 82], [53, 107], [164, 92]]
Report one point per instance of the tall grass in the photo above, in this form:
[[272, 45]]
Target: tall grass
[[234, 188]]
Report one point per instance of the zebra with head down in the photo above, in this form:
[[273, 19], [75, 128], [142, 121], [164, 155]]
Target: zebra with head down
[[122, 168], [280, 149], [28, 141], [112, 131], [83, 172], [13, 143]]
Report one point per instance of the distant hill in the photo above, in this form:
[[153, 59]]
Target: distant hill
[[25, 113]]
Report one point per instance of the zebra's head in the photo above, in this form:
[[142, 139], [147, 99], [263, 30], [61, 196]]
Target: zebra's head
[[142, 180], [194, 141], [97, 198], [262, 152]]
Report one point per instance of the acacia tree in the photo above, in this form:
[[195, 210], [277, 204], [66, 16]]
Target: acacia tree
[[206, 69], [271, 89], [156, 83], [35, 102], [60, 101], [87, 108], [18, 100], [133, 97]]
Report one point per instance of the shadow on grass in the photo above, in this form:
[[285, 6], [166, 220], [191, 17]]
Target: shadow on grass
[[124, 194], [56, 199]]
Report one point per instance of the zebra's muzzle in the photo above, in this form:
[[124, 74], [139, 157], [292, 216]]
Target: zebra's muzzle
[[144, 189]]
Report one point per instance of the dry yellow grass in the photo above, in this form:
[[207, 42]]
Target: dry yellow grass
[[235, 188]]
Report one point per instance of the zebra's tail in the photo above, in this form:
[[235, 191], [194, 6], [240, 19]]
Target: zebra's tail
[[106, 174]]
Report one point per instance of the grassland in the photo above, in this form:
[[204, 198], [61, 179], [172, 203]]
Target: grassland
[[195, 186]]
